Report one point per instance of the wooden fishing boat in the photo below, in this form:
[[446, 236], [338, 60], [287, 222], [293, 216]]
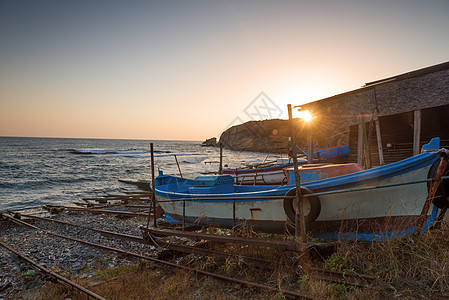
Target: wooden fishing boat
[[272, 173], [370, 205]]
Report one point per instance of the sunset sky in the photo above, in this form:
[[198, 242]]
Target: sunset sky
[[189, 69]]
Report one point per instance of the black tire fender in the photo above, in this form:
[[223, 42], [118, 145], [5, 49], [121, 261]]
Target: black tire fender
[[313, 201]]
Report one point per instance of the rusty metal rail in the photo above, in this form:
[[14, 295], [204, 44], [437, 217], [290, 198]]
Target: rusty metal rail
[[289, 294], [350, 277], [137, 206], [52, 274], [122, 236]]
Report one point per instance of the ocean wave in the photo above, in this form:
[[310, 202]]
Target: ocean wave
[[136, 155], [177, 154], [194, 159], [30, 184], [106, 152], [7, 166], [44, 171]]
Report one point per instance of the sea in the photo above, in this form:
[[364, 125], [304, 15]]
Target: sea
[[59, 171]]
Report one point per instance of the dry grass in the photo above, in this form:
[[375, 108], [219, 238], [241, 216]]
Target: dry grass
[[409, 268], [415, 266]]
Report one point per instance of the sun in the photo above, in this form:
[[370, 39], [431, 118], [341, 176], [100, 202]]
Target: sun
[[306, 115]]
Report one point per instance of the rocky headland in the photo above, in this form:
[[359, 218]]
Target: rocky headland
[[265, 136], [272, 135]]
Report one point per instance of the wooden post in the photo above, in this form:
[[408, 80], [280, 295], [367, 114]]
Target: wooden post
[[360, 145], [416, 131], [299, 211], [153, 189], [179, 168], [379, 142]]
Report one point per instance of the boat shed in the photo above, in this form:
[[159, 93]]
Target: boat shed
[[386, 120]]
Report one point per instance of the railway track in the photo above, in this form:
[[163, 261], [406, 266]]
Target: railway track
[[50, 274], [349, 277], [163, 263]]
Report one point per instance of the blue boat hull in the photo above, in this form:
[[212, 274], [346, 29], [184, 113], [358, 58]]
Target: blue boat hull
[[375, 204]]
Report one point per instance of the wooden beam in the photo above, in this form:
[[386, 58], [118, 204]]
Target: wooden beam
[[278, 244], [365, 143], [360, 145], [379, 142], [416, 132]]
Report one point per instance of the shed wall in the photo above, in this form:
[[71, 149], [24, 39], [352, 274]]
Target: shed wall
[[395, 99]]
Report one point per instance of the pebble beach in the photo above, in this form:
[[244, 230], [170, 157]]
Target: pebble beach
[[63, 256]]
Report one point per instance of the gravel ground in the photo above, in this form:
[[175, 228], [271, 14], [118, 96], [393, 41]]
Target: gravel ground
[[65, 257]]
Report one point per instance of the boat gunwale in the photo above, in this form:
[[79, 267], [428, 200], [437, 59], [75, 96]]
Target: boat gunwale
[[336, 183]]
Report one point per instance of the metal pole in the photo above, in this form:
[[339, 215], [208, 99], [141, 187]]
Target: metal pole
[[220, 169], [310, 145], [299, 213], [179, 168], [233, 213], [153, 186], [183, 214]]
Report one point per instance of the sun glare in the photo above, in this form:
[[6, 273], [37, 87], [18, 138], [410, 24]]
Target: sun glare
[[306, 115]]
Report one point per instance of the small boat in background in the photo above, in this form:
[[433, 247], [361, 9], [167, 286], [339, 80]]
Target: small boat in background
[[271, 173], [370, 205], [333, 154]]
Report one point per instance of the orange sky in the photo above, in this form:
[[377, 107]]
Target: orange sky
[[189, 69]]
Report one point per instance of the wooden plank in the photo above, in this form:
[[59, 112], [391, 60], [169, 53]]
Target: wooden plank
[[278, 244], [105, 211], [416, 131]]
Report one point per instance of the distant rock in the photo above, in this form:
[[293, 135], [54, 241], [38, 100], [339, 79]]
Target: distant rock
[[212, 142], [264, 136]]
